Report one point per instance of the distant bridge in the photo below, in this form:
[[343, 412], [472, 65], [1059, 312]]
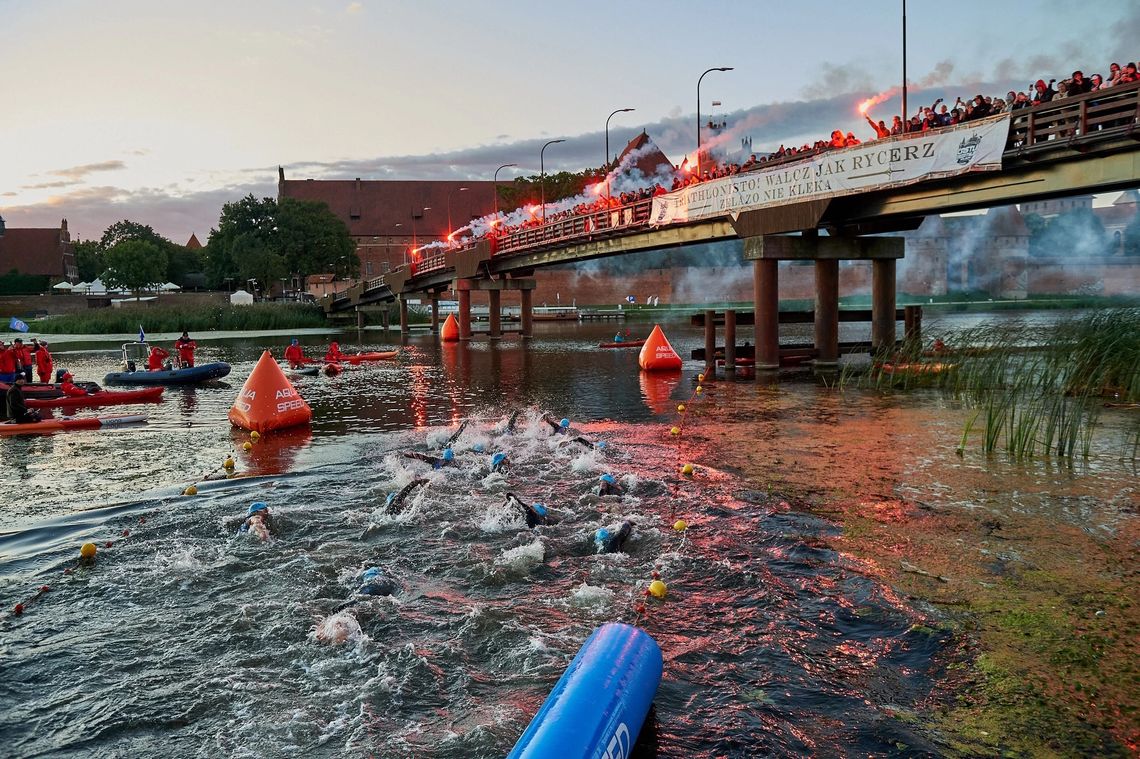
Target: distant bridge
[[1089, 143]]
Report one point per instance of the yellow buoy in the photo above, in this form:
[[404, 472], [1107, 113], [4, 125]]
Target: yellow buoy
[[681, 408], [254, 435], [87, 551], [192, 490], [700, 378], [228, 463], [680, 525], [700, 389], [687, 469], [247, 446], [657, 589], [675, 431]]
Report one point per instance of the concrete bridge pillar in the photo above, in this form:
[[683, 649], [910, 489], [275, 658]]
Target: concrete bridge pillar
[[494, 315], [766, 293], [464, 312], [827, 312], [526, 315], [435, 313], [882, 305], [729, 340], [403, 315]]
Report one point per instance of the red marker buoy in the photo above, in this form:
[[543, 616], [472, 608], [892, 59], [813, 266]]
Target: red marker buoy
[[18, 610], [109, 544], [126, 533]]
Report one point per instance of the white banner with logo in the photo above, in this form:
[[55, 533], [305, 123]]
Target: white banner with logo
[[878, 165]]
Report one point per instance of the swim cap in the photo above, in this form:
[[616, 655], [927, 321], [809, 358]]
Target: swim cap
[[448, 454], [257, 506], [478, 448], [600, 444], [602, 534], [370, 574], [564, 423], [388, 500], [539, 509], [608, 478], [498, 458]]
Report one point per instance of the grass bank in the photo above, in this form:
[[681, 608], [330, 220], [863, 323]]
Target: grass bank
[[196, 319]]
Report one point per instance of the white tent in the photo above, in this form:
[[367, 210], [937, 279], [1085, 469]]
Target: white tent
[[64, 285], [168, 287], [241, 298]]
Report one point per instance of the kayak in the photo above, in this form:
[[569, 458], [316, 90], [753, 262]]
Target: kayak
[[100, 398], [358, 358], [48, 390], [188, 376], [63, 425], [905, 368], [623, 344], [308, 371]]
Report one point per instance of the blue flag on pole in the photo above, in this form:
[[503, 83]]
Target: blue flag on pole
[[16, 325], [142, 335]]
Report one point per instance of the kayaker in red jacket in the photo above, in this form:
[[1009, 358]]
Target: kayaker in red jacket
[[334, 356], [185, 348], [295, 355], [23, 356], [44, 364], [155, 360], [68, 386], [7, 363]]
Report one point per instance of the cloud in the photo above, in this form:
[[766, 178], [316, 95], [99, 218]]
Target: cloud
[[354, 8], [78, 173], [48, 185]]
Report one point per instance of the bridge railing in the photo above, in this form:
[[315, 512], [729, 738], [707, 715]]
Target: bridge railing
[[605, 223], [1082, 116]]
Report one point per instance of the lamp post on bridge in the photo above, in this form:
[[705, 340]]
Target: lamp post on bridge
[[904, 113], [606, 165], [542, 177], [422, 211], [716, 68], [495, 188], [449, 228]]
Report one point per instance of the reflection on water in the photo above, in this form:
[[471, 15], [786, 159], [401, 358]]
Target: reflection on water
[[189, 639]]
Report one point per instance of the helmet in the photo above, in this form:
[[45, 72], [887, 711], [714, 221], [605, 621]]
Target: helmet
[[448, 454], [608, 478], [564, 423], [498, 458], [539, 509], [370, 574], [257, 506]]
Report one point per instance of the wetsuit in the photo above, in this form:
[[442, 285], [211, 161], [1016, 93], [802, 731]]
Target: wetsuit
[[616, 542], [533, 518], [608, 488], [512, 420], [455, 435], [395, 502], [437, 462]]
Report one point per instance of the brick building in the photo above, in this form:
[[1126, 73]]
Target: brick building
[[44, 252]]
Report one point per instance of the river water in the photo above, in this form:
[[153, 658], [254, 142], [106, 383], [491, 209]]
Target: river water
[[187, 638]]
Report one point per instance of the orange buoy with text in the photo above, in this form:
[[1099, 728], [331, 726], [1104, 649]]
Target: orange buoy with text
[[657, 355], [267, 401], [450, 329]]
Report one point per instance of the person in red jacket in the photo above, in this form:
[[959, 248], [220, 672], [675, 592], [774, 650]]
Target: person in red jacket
[[295, 354], [156, 359], [68, 386], [44, 364], [7, 363], [334, 356], [23, 356], [185, 348]]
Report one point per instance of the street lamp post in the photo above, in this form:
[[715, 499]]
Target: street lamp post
[[457, 189], [496, 184], [542, 177], [716, 68], [425, 208], [904, 111], [606, 165], [388, 249]]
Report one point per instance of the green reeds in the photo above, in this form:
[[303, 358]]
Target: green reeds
[[197, 318]]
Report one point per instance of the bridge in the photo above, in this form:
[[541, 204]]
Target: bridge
[[1084, 144]]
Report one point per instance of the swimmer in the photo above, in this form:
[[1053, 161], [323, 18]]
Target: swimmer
[[337, 628], [500, 463], [373, 582], [560, 426], [607, 485], [458, 432], [613, 543], [512, 420], [394, 504], [535, 513], [437, 462], [257, 521]]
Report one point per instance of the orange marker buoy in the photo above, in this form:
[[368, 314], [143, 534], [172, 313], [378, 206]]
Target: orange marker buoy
[[657, 355], [449, 332], [268, 401]]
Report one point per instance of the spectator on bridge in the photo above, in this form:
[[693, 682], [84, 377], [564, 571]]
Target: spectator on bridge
[[1114, 72], [1128, 74], [1043, 93], [1078, 85], [880, 128]]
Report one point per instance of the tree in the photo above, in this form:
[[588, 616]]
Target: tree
[[89, 259], [134, 265], [530, 190], [124, 230], [310, 235], [248, 217], [181, 262], [258, 261]]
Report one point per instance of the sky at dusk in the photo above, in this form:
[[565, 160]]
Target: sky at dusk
[[160, 112]]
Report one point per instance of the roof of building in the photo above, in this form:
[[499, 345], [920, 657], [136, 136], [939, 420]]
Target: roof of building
[[34, 250], [193, 243], [1006, 221], [648, 159], [378, 208]]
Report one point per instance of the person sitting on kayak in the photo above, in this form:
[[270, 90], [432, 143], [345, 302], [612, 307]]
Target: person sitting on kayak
[[15, 404], [69, 388], [295, 355], [185, 348], [156, 359], [43, 360], [535, 513], [619, 338], [437, 462], [334, 356]]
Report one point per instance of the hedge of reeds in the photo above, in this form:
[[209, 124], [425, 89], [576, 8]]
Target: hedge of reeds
[[258, 316], [1038, 390]]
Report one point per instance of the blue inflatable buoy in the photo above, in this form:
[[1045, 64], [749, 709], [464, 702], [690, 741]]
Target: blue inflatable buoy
[[597, 707]]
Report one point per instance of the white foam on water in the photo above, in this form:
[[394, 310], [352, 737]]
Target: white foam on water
[[523, 558], [586, 595], [501, 517]]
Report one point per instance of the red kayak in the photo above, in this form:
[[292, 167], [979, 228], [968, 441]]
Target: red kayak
[[623, 344], [47, 390], [61, 425], [100, 398], [358, 358]]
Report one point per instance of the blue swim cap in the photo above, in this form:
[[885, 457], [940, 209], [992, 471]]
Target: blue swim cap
[[608, 478], [564, 423], [600, 444], [539, 509], [388, 500], [448, 454], [257, 506], [498, 458], [478, 448], [602, 534], [370, 574]]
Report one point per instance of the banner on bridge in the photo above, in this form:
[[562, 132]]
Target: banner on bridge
[[879, 165]]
